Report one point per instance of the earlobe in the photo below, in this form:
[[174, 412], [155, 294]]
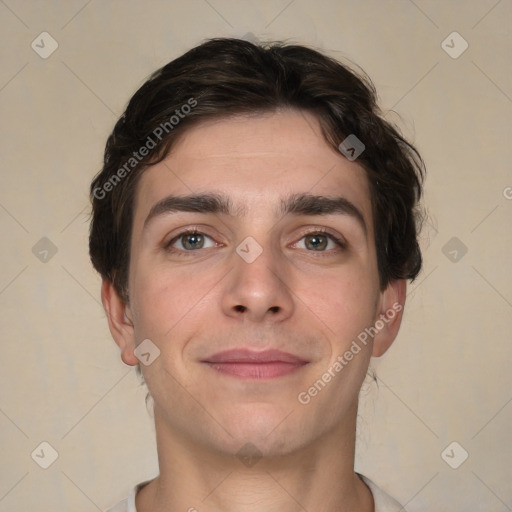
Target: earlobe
[[120, 322], [389, 316]]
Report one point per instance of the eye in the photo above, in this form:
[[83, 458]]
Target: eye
[[192, 240], [189, 240], [318, 241]]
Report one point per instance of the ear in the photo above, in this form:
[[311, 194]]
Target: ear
[[119, 322], [389, 316]]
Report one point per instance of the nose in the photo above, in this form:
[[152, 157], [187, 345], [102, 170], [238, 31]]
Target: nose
[[258, 287]]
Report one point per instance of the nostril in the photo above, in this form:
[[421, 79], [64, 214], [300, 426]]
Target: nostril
[[240, 308]]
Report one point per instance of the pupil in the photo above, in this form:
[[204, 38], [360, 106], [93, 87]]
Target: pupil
[[317, 241], [192, 240]]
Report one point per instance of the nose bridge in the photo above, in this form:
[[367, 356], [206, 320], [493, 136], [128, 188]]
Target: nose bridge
[[257, 284]]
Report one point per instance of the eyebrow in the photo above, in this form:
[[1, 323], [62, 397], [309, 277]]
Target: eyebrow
[[295, 204]]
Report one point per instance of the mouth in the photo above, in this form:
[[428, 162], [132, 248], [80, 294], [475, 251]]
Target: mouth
[[248, 364]]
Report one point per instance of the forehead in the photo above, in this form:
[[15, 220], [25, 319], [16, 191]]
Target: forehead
[[255, 160]]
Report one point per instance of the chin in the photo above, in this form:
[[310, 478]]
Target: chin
[[273, 430]]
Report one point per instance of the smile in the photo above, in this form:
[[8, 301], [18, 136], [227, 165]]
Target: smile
[[247, 364]]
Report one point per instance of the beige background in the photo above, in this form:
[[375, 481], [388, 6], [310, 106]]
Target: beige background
[[448, 376]]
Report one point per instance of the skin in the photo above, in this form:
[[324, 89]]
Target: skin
[[311, 303]]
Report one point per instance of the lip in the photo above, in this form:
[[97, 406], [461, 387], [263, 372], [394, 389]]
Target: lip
[[249, 364]]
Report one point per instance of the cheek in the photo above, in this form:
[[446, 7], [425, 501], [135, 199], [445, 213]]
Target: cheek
[[346, 305], [166, 301], [155, 302]]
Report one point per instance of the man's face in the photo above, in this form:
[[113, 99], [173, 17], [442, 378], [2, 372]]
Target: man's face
[[197, 296]]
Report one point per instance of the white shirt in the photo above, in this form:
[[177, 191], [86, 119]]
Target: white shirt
[[383, 502]]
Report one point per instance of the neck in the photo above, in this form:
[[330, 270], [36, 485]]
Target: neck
[[317, 477]]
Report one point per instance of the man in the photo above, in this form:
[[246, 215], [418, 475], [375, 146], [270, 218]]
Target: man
[[254, 225]]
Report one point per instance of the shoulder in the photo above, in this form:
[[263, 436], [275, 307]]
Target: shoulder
[[128, 504], [383, 501]]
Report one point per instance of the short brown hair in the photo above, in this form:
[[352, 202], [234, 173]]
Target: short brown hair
[[224, 77]]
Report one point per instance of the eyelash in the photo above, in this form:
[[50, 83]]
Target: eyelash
[[340, 242]]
